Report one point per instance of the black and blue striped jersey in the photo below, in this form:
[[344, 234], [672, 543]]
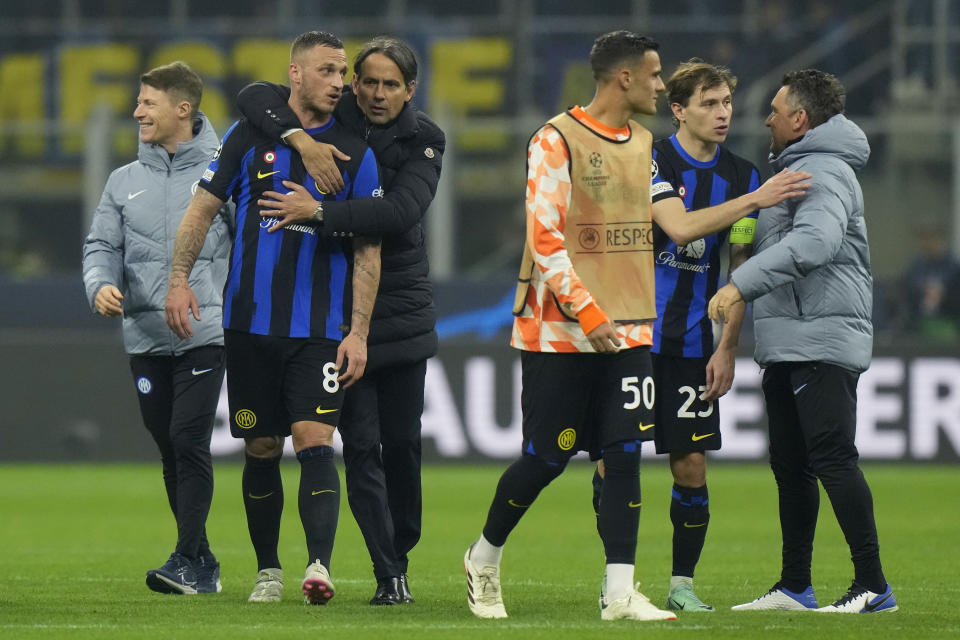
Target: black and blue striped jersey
[[294, 282], [687, 275]]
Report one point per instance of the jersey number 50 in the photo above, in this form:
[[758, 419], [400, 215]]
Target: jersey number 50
[[639, 391]]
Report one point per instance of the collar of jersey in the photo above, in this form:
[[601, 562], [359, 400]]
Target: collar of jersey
[[690, 159], [321, 128], [620, 135]]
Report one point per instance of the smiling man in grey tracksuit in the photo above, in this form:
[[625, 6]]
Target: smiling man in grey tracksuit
[[126, 259], [811, 284]]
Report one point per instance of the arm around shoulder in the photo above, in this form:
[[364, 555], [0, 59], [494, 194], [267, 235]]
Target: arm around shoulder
[[683, 228], [406, 199], [264, 104]]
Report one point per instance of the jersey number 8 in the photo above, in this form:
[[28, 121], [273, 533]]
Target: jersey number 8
[[330, 374]]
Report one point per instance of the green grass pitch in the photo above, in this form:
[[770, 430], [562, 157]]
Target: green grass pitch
[[76, 541]]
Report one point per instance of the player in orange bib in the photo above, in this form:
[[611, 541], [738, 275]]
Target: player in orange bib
[[584, 311]]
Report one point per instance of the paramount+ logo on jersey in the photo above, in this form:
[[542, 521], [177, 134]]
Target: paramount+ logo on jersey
[[615, 237]]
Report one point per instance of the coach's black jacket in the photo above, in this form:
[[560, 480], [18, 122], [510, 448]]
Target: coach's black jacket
[[409, 151]]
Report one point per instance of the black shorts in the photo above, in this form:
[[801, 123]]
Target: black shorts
[[273, 382], [685, 423], [585, 401]]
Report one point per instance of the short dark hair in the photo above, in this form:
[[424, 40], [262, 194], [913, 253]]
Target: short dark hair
[[613, 49], [818, 93], [179, 81], [395, 49], [696, 73], [311, 39]]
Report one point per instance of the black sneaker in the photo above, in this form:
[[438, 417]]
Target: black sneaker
[[388, 592], [208, 574], [177, 575], [405, 589]]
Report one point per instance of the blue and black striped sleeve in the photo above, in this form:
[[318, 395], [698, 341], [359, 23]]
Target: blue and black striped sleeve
[[367, 181], [660, 183], [220, 177]]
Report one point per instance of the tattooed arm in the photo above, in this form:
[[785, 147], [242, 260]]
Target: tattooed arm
[[366, 280], [190, 237]]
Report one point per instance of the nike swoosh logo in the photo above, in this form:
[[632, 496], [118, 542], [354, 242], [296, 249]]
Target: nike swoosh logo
[[800, 388], [199, 372], [634, 505], [253, 497], [322, 411], [644, 427], [131, 196], [697, 438], [518, 506], [316, 493], [870, 606], [260, 174], [694, 526]]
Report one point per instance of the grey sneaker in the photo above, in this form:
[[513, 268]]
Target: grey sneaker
[[317, 585], [633, 606], [483, 589], [779, 598], [269, 587]]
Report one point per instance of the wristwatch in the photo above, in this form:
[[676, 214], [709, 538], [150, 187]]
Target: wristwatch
[[318, 213]]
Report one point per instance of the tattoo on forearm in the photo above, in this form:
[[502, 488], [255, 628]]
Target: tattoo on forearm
[[191, 236], [366, 280]]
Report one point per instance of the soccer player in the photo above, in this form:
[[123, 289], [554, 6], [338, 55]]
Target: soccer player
[[296, 311], [380, 423], [689, 374], [811, 287], [124, 271], [585, 311]]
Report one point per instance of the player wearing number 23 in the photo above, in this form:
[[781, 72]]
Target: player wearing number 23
[[584, 315]]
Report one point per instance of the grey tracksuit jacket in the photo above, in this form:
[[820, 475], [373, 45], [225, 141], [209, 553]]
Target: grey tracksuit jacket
[[131, 242], [810, 279]]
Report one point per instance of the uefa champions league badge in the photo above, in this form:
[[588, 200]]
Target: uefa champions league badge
[[143, 385]]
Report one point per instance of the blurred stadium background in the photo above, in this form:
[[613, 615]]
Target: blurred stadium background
[[491, 72]]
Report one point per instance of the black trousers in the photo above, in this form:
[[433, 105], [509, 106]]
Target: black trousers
[[380, 427], [178, 401], [812, 410]]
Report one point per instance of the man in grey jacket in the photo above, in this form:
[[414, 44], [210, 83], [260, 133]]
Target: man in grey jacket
[[126, 259], [811, 285]]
